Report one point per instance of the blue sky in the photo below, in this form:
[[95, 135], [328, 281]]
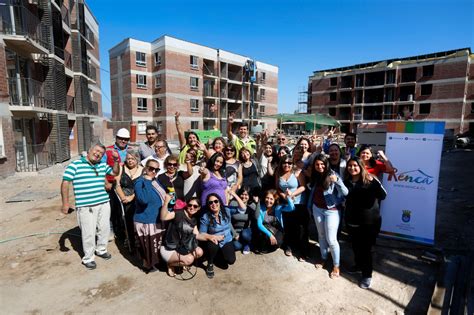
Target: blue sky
[[297, 36]]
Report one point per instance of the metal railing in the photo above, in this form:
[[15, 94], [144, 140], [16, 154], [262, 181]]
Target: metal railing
[[59, 52], [34, 157], [25, 22], [27, 92]]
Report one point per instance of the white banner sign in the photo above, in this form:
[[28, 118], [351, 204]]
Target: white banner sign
[[409, 211]]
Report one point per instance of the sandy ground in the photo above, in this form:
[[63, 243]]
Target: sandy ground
[[43, 274]]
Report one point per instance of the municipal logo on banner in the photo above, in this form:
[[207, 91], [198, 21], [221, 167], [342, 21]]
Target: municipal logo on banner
[[406, 216]]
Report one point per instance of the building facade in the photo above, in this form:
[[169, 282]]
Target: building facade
[[50, 96], [438, 87], [151, 81]]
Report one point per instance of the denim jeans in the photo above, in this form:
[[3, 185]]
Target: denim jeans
[[245, 238], [327, 222]]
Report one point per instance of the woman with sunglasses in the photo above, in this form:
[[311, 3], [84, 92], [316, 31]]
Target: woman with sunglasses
[[363, 218], [213, 178], [129, 173], [217, 221], [173, 181], [270, 221], [327, 195], [292, 185], [146, 219], [176, 250], [233, 171]]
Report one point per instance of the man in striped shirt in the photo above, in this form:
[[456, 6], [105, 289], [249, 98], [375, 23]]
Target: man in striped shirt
[[92, 201]]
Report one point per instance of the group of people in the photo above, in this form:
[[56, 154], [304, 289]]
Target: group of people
[[241, 194]]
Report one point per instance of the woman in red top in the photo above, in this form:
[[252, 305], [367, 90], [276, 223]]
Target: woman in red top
[[373, 166]]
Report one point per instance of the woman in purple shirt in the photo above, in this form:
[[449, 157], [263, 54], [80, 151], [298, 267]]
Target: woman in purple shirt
[[213, 179]]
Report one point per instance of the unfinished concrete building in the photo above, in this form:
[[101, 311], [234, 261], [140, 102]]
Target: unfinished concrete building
[[151, 81], [437, 86], [50, 96]]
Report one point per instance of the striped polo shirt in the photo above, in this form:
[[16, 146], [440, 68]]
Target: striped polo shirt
[[88, 181]]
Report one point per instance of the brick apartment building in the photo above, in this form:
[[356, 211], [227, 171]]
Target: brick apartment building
[[151, 81], [438, 87], [50, 96]]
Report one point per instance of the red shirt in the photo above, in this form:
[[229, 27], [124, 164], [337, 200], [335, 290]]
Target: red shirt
[[378, 168], [110, 161]]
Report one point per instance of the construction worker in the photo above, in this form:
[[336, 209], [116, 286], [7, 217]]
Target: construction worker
[[243, 139]]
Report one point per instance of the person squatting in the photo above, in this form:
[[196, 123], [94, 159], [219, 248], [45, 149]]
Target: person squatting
[[209, 201]]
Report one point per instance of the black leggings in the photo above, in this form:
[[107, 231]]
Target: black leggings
[[363, 239], [227, 251], [296, 229], [262, 242]]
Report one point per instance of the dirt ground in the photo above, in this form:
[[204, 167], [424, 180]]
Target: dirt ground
[[40, 269]]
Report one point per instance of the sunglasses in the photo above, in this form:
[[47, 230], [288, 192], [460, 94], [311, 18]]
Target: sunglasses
[[194, 206], [210, 202], [159, 147], [122, 139], [281, 139], [288, 163], [172, 165], [229, 150], [153, 169]]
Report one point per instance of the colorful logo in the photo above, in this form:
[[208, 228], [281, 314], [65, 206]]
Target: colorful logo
[[415, 176], [406, 215]]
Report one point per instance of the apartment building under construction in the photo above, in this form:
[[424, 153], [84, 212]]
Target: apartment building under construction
[[437, 86], [50, 96], [150, 81]]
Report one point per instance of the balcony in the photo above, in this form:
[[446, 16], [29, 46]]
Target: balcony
[[234, 76], [209, 91], [92, 73], [210, 111], [27, 92], [22, 29]]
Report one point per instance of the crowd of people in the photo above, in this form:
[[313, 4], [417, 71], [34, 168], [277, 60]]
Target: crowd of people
[[242, 194]]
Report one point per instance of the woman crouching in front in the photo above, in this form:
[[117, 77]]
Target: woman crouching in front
[[270, 221], [180, 245], [217, 221]]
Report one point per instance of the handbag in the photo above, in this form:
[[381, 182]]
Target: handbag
[[187, 243]]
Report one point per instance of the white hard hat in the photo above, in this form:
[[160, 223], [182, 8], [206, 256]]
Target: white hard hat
[[123, 133]]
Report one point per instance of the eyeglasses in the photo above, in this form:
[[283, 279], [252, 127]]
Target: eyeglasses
[[210, 202], [288, 163], [194, 206], [153, 169], [159, 147], [281, 139], [229, 150], [122, 139], [172, 165]]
